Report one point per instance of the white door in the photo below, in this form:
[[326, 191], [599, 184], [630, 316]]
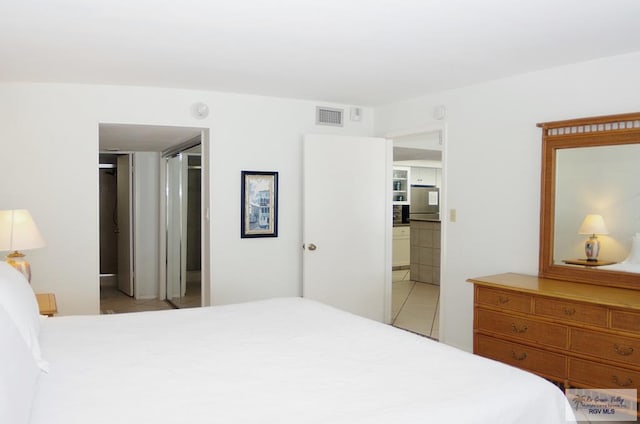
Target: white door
[[347, 222], [125, 225]]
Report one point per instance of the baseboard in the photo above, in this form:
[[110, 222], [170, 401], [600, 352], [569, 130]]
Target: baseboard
[[109, 280], [147, 297]]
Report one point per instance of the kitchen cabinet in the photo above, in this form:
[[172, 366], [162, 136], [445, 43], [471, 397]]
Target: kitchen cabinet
[[401, 183], [401, 246], [426, 176]]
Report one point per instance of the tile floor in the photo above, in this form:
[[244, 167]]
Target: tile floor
[[415, 306], [113, 301], [192, 297]]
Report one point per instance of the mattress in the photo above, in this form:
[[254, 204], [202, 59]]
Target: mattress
[[622, 266], [276, 361]]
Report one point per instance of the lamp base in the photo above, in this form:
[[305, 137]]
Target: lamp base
[[592, 248], [18, 261]]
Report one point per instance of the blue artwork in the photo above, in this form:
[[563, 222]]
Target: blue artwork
[[259, 204]]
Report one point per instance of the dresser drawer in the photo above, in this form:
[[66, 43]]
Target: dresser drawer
[[503, 299], [606, 346], [595, 375], [624, 320], [522, 328], [536, 360], [567, 310]]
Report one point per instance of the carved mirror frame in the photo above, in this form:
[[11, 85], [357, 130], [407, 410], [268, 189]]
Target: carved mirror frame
[[598, 131]]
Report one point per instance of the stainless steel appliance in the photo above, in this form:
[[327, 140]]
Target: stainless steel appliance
[[425, 203]]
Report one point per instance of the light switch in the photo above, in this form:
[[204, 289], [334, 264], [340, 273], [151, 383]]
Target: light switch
[[453, 215]]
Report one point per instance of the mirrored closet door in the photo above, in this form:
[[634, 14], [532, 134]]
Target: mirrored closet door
[[183, 219]]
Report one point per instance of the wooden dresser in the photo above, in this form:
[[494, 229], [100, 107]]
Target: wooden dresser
[[580, 335]]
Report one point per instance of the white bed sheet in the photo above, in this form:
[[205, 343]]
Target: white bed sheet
[[622, 266], [275, 361]]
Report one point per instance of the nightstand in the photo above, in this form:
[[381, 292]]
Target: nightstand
[[47, 304], [585, 262]]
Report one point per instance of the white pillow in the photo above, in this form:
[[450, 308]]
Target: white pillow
[[634, 253], [18, 374], [19, 301]]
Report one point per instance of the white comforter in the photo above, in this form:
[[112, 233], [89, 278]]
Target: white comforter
[[622, 266], [275, 361]]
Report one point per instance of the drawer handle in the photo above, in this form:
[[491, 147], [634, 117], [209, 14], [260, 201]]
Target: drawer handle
[[568, 311], [522, 329], [517, 357], [624, 351], [503, 299], [627, 383]]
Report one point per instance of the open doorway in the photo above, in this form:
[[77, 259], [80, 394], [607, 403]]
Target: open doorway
[[417, 187], [120, 290], [132, 219]]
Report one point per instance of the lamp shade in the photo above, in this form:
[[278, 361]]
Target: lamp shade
[[18, 231], [593, 224]]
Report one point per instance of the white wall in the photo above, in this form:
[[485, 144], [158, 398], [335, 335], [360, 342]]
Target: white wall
[[492, 166], [49, 138]]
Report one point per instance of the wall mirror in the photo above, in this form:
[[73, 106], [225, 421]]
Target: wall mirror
[[591, 166]]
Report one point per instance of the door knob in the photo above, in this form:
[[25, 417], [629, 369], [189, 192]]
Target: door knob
[[312, 246]]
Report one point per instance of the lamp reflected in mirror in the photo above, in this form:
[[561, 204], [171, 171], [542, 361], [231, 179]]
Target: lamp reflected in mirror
[[593, 224]]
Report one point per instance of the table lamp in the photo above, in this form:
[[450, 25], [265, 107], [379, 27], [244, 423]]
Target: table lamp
[[19, 232], [592, 224]]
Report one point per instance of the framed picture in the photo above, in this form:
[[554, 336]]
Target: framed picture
[[259, 204]]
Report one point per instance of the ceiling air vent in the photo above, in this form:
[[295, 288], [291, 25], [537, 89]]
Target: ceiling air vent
[[329, 116]]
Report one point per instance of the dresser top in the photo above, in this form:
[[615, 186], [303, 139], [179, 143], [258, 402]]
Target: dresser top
[[601, 295]]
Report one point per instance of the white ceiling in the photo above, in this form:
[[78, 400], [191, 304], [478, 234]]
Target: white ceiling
[[366, 52]]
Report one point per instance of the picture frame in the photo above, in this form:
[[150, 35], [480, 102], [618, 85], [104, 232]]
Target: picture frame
[[259, 204]]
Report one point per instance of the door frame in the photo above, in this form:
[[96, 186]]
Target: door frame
[[444, 215], [206, 205]]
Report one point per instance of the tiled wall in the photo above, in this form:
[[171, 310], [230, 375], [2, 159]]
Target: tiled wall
[[425, 251]]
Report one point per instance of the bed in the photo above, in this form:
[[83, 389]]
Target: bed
[[623, 267], [288, 360], [632, 262]]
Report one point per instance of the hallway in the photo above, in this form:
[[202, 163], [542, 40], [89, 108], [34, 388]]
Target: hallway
[[415, 305]]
